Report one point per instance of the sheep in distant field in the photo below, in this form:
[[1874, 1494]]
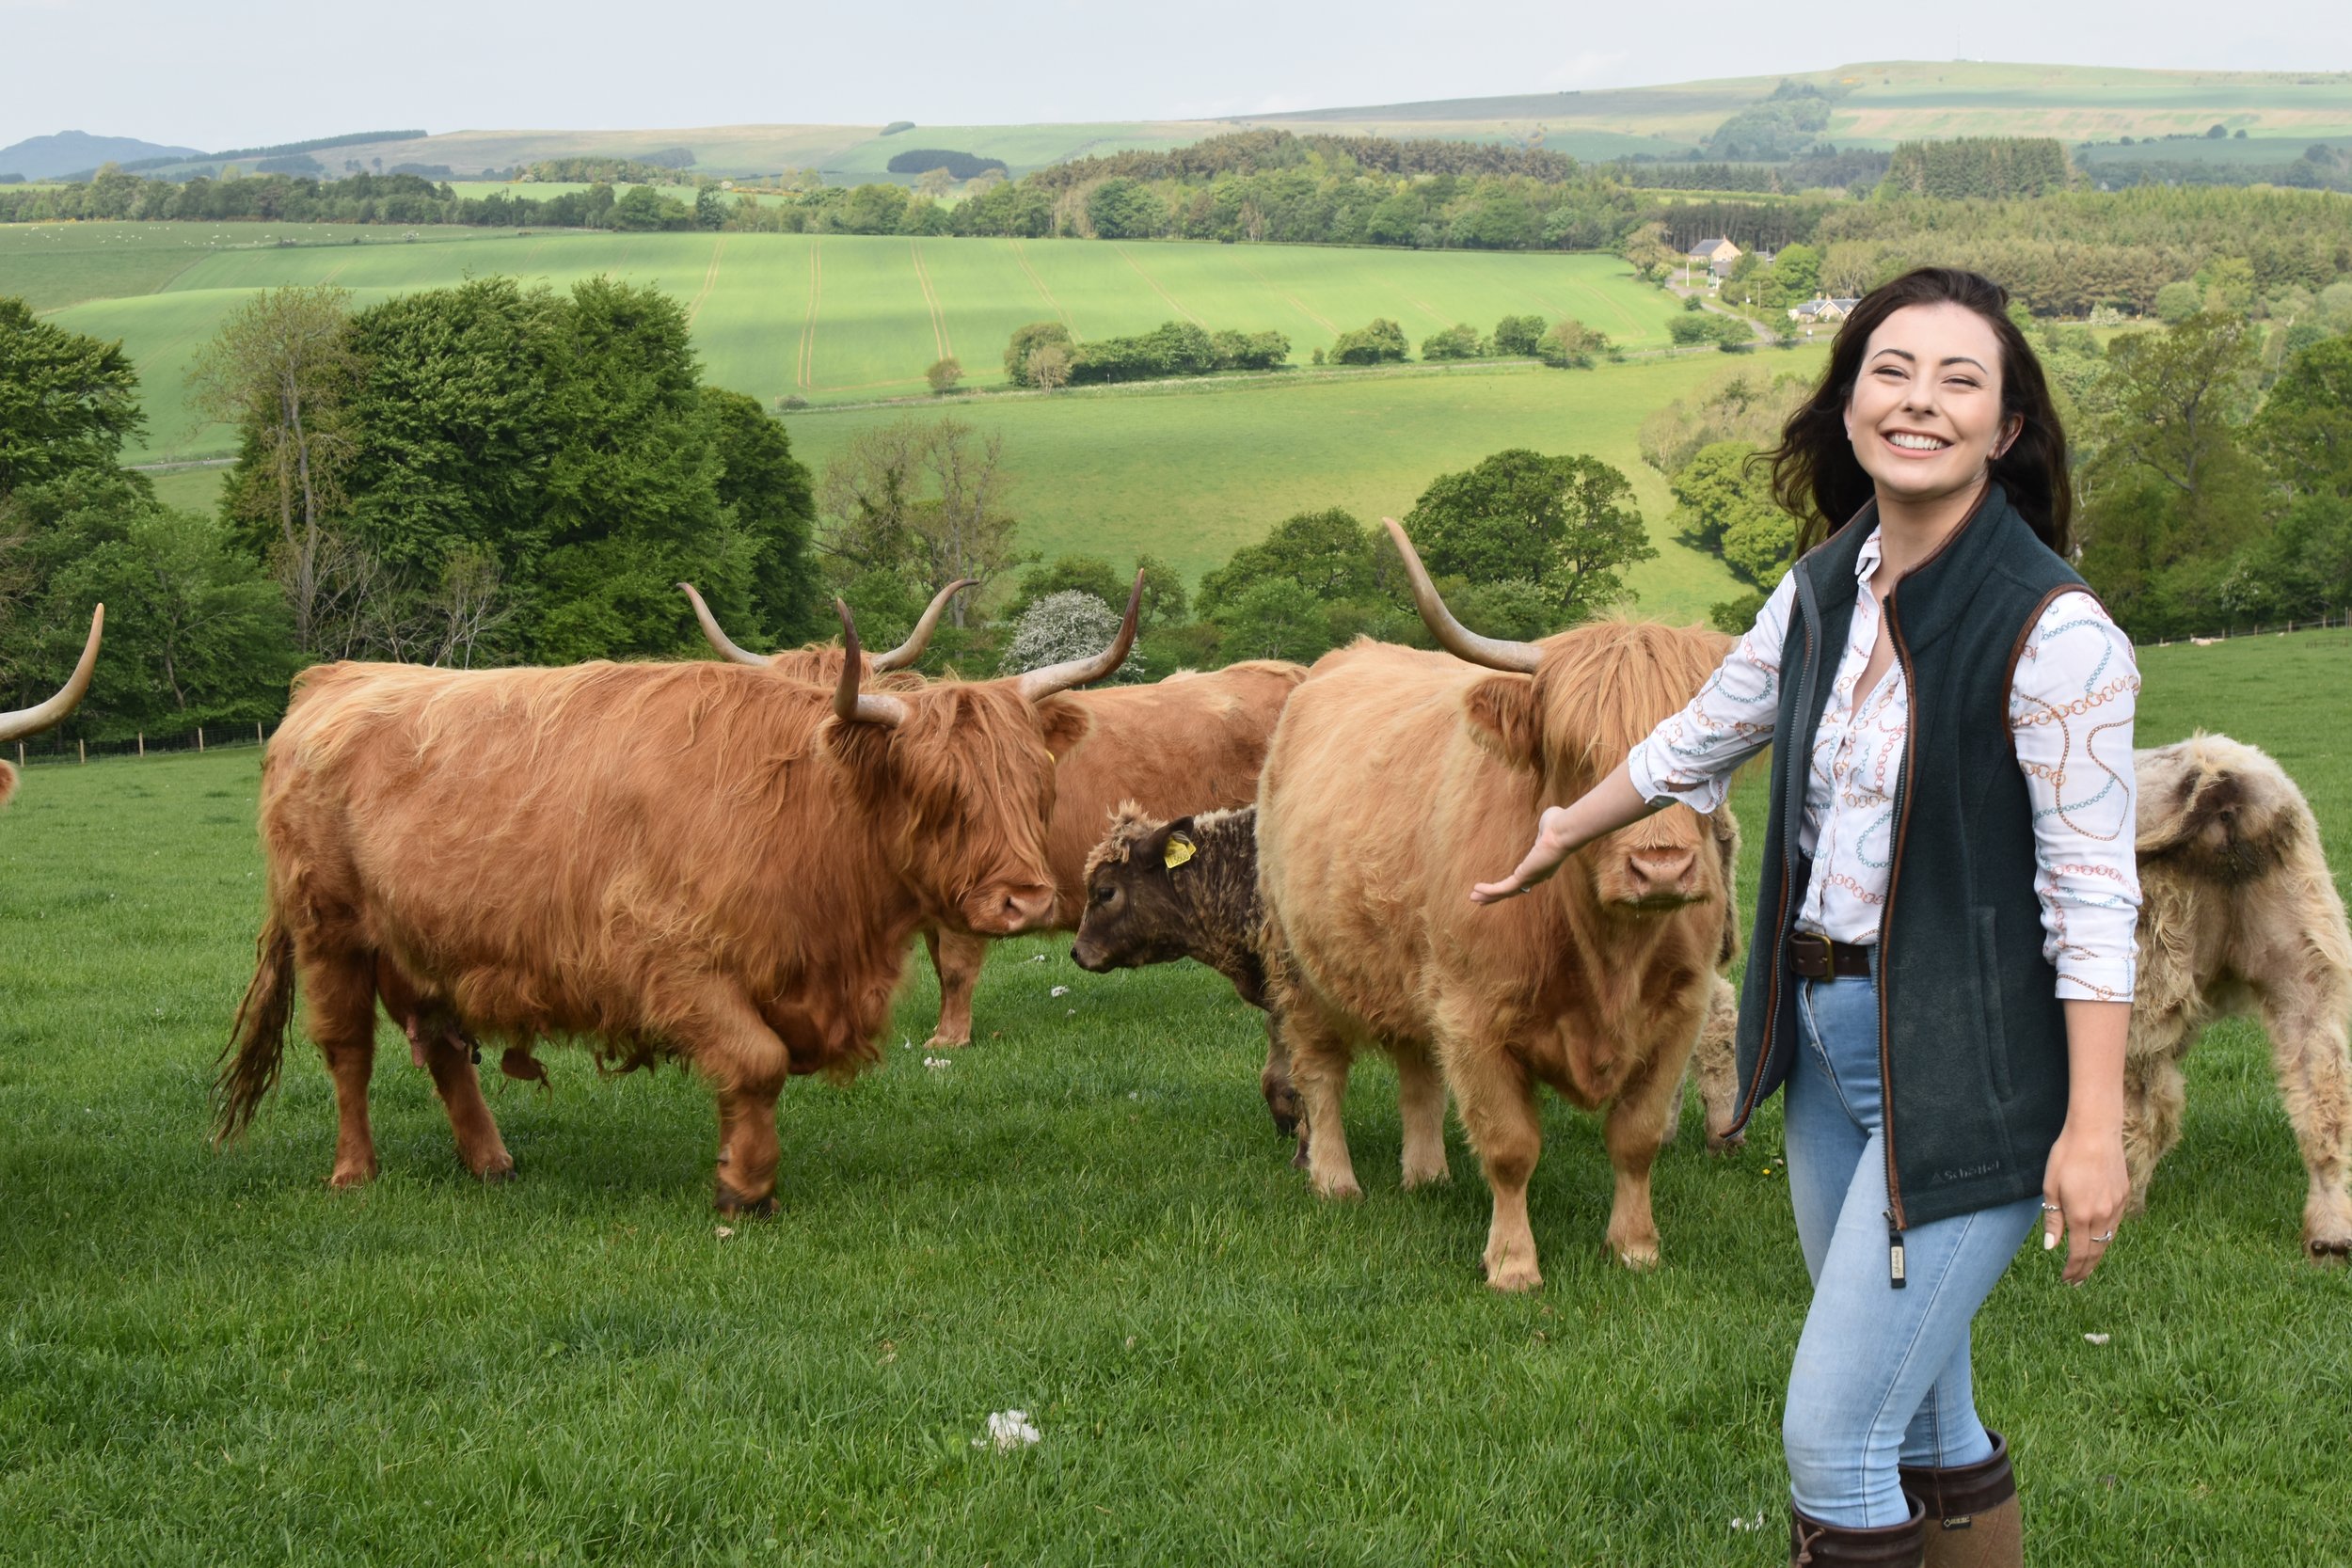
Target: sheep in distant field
[[2239, 913]]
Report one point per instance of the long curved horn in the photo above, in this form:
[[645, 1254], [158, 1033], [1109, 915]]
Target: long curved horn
[[1495, 653], [912, 649], [721, 643], [872, 708], [1039, 685], [31, 720]]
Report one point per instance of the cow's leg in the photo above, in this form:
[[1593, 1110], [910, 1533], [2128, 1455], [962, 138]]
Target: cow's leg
[[448, 1056], [1715, 1063], [340, 993], [1319, 1063], [1274, 1082], [956, 961], [1420, 1105], [1497, 1105], [2309, 1052], [1634, 1128], [2153, 1095], [730, 1044]]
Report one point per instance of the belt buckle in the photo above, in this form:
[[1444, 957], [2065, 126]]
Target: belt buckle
[[1811, 956]]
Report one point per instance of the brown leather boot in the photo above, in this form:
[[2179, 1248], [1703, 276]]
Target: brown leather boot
[[1813, 1544], [1972, 1519]]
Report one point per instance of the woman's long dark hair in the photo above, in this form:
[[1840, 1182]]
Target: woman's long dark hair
[[1818, 478]]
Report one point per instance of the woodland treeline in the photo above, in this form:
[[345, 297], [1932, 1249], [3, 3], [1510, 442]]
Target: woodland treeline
[[2065, 253]]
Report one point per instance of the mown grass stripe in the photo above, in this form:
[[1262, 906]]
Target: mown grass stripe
[[1171, 299]]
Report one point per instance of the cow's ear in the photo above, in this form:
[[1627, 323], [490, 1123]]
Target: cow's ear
[[1504, 718], [1065, 724], [1178, 844]]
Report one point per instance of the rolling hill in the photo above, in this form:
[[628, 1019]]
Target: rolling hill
[[46, 157], [1874, 104]]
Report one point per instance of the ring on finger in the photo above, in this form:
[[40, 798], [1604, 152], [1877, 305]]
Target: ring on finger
[[2106, 1238], [2049, 1208]]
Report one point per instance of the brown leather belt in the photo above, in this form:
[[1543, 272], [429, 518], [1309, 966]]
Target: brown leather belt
[[1816, 958]]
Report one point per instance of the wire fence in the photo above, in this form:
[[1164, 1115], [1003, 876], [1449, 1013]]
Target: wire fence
[[50, 750], [2274, 628]]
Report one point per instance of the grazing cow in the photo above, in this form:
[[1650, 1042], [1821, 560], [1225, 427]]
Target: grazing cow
[[1396, 780], [41, 716], [1156, 891], [1192, 742], [2238, 912], [680, 860]]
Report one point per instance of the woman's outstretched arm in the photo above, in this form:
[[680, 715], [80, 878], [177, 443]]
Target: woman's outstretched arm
[[1562, 831]]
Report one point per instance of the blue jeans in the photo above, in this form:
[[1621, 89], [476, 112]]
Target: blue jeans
[[1881, 1375]]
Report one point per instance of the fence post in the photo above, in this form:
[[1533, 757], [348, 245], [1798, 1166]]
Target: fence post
[[257, 731], [83, 747], [199, 738], [142, 743]]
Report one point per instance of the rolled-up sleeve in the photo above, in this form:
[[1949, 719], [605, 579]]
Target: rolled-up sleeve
[[2071, 702], [1692, 756]]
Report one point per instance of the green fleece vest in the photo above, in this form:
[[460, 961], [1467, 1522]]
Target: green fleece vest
[[1972, 1038]]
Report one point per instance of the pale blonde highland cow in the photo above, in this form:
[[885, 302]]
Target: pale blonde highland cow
[[2239, 913]]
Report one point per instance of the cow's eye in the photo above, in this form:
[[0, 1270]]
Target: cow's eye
[[1103, 893]]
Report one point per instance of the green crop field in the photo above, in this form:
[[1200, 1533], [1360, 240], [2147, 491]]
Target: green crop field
[[51, 265], [853, 318], [1189, 474], [1086, 1216]]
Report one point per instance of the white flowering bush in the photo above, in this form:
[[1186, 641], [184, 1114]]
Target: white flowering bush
[[1071, 623]]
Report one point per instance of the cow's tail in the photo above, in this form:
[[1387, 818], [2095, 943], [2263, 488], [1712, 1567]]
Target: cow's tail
[[257, 1041]]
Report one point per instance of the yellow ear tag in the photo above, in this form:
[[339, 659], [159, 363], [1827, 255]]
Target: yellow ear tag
[[1179, 850]]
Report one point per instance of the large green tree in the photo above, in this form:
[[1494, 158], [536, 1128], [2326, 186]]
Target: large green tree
[[66, 401], [1564, 525]]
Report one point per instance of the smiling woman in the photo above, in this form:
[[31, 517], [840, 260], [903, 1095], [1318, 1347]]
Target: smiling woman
[[1932, 668]]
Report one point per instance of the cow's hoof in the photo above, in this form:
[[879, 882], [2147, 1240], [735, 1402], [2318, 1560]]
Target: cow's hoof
[[1298, 1157], [498, 1174], [1731, 1144], [2330, 1249], [942, 1042], [1340, 1190], [735, 1203], [1513, 1276], [1640, 1256], [351, 1176], [1430, 1177]]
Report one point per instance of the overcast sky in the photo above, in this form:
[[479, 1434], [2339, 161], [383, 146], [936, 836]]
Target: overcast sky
[[272, 71]]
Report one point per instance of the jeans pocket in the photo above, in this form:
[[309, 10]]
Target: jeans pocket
[[1984, 934]]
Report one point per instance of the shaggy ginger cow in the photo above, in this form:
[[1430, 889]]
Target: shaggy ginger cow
[[1399, 777], [1191, 742], [2238, 912], [683, 860]]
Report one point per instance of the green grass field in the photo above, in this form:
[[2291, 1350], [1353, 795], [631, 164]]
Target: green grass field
[[52, 265], [211, 1359], [1190, 473], [847, 318]]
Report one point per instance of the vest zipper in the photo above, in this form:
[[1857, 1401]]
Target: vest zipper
[[1886, 913]]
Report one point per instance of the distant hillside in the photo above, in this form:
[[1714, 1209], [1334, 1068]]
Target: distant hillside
[[45, 157], [1877, 104]]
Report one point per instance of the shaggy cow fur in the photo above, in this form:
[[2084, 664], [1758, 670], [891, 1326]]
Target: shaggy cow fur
[[2239, 913], [687, 859], [1397, 779]]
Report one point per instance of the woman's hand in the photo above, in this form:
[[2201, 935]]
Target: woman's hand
[[2085, 1185], [1555, 841], [2083, 1193]]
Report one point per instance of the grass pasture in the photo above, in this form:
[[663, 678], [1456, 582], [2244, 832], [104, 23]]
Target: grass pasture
[[847, 318], [211, 1359]]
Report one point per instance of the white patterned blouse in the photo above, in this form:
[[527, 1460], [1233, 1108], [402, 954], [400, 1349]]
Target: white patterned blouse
[[2071, 706]]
